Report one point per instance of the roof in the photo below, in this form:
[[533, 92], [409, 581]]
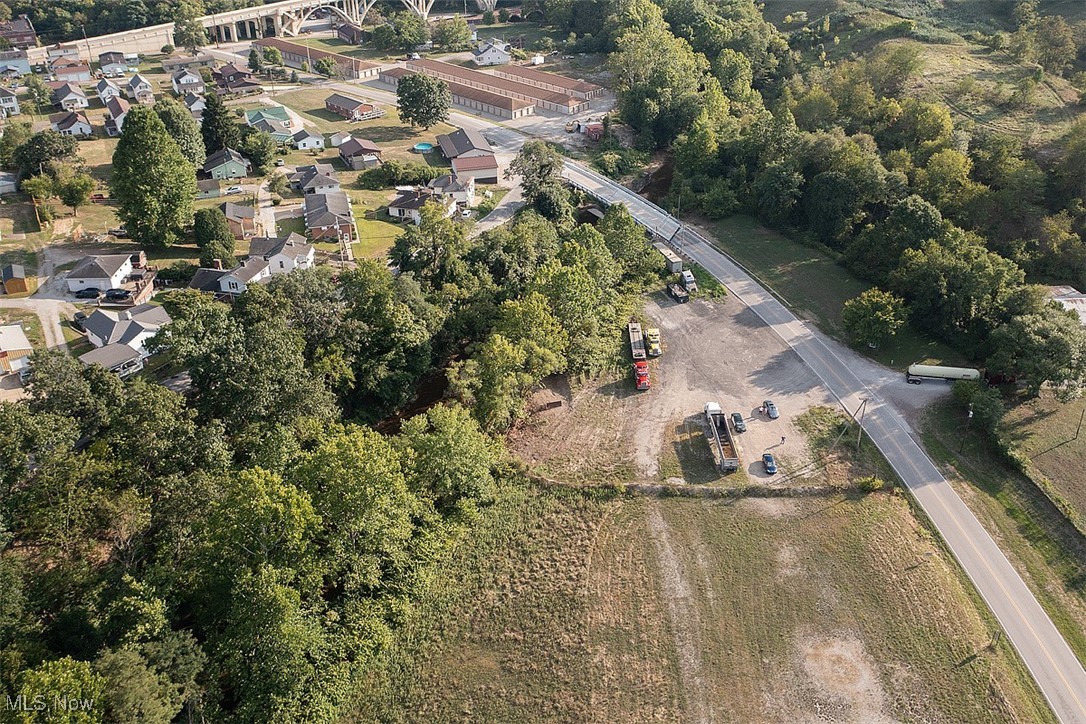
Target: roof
[[12, 338], [4, 92], [68, 119], [207, 184], [304, 134], [315, 54], [1070, 299], [136, 81], [358, 146], [248, 269], [414, 200], [232, 69], [274, 113], [106, 83], [237, 212], [192, 99], [272, 126], [99, 267], [207, 280], [110, 356], [450, 183], [498, 46], [542, 76], [491, 82], [318, 174], [111, 56], [12, 271], [342, 101], [462, 141], [475, 163], [124, 327], [268, 246], [63, 90], [328, 209], [224, 155], [117, 106], [184, 73]]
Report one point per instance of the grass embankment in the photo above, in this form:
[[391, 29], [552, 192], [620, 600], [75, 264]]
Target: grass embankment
[[1045, 547], [816, 287], [567, 606]]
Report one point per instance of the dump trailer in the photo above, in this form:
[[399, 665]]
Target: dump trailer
[[725, 451], [918, 373], [637, 341], [677, 293]]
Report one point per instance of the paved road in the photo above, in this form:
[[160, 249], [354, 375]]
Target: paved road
[[1053, 665]]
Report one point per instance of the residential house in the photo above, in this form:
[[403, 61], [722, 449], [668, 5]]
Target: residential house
[[274, 120], [462, 190], [61, 50], [195, 103], [67, 70], [107, 89], [359, 153], [484, 169], [329, 216], [186, 80], [208, 188], [113, 63], [464, 143], [14, 280], [353, 109], [253, 270], [176, 62], [140, 89], [69, 96], [105, 271], [351, 33], [241, 86], [9, 182], [1070, 299], [71, 123], [305, 140], [230, 73], [14, 348], [116, 110], [19, 32], [120, 359], [283, 254], [339, 138], [130, 327], [227, 163], [9, 103], [242, 219], [319, 178], [206, 279], [491, 52], [408, 205], [14, 63]]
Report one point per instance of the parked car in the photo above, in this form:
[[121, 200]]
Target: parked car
[[280, 162], [231, 190], [466, 214], [771, 410], [118, 295], [88, 293], [769, 464], [738, 424], [120, 232], [79, 321]]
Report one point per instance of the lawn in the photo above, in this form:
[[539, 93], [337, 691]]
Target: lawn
[[565, 606], [816, 287], [376, 234]]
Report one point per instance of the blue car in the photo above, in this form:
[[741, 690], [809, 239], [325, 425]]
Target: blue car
[[769, 464]]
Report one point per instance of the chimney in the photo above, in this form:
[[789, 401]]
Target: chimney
[[125, 315], [216, 264]]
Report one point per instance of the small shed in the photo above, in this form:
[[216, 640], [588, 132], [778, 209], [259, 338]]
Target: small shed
[[671, 259], [14, 279]]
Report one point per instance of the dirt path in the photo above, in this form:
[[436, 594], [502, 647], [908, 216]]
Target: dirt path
[[682, 612]]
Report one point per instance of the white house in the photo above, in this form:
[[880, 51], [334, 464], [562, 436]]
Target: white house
[[491, 52], [283, 254], [9, 103], [116, 109], [408, 205], [254, 270], [131, 327], [186, 80], [113, 63], [140, 89], [338, 139], [319, 178], [106, 271], [107, 89], [304, 140], [195, 103], [462, 190], [69, 96], [71, 123]]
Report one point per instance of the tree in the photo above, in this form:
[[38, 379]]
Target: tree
[[429, 248], [183, 129], [325, 66], [153, 183], [503, 15], [873, 317], [40, 94], [877, 250], [188, 33], [1054, 42], [451, 33], [539, 167], [41, 187], [1045, 348], [833, 203], [278, 184], [16, 134], [75, 191], [218, 251], [259, 147], [46, 151], [73, 680], [211, 225], [493, 382], [488, 17], [628, 243], [423, 101], [134, 691], [273, 56], [217, 126], [256, 60]]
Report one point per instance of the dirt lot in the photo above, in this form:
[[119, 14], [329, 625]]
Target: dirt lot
[[712, 352], [767, 610]]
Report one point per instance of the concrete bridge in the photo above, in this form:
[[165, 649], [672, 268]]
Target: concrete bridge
[[281, 19]]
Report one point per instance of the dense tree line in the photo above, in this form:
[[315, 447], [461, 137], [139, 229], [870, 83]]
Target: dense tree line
[[949, 221]]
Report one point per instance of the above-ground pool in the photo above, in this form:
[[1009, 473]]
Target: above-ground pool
[[423, 147]]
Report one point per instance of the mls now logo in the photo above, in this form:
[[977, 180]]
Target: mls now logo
[[40, 702]]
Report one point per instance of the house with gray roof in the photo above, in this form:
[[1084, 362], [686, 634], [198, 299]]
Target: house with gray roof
[[104, 271], [318, 178], [283, 254], [464, 143], [130, 327], [227, 163], [329, 216]]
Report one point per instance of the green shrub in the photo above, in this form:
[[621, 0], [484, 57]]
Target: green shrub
[[870, 484]]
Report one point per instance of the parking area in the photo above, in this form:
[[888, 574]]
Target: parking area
[[712, 352]]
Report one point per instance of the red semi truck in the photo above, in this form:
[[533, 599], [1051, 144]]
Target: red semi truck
[[641, 375]]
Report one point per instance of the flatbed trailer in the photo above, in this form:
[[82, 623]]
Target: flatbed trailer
[[637, 341]]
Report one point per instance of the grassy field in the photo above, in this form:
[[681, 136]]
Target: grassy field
[[1044, 546], [1047, 432], [816, 287], [569, 607]]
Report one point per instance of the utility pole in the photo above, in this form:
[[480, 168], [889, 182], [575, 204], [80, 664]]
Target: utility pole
[[968, 419], [83, 27], [860, 431]]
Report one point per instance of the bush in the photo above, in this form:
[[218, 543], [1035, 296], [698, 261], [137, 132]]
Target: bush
[[985, 402], [180, 272], [503, 15], [397, 173], [870, 484], [167, 49]]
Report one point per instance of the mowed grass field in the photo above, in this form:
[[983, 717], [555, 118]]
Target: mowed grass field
[[816, 287], [577, 607]]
